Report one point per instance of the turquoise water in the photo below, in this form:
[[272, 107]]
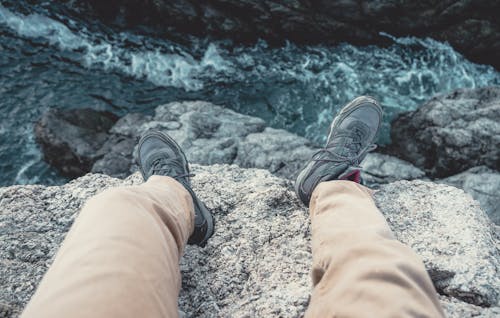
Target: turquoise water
[[50, 60]]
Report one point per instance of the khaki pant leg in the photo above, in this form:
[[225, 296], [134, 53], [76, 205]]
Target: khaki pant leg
[[359, 268], [121, 256]]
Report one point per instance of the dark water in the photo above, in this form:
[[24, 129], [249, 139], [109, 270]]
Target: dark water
[[50, 60]]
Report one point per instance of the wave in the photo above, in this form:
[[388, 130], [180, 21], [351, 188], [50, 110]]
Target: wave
[[159, 67], [298, 88]]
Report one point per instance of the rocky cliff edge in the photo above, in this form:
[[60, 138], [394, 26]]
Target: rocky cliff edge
[[259, 259]]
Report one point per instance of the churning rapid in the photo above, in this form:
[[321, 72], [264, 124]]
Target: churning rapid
[[60, 62]]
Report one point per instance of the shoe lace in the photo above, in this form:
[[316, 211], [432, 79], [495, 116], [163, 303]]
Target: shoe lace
[[356, 151], [170, 167]]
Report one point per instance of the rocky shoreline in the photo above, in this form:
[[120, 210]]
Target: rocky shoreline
[[261, 268], [471, 27], [451, 139], [245, 170], [437, 183]]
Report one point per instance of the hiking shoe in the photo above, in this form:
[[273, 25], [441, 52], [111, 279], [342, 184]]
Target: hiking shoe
[[160, 155], [351, 137]]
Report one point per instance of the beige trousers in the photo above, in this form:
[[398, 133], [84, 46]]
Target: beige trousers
[[121, 258]]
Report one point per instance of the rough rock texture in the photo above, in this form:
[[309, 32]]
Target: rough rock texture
[[70, 139], [211, 134], [380, 169], [451, 233], [484, 186], [451, 133], [455, 308], [472, 27], [258, 262]]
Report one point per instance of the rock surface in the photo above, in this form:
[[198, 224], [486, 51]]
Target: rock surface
[[472, 27], [451, 233], [451, 133], [70, 139], [211, 134], [484, 186], [455, 308], [380, 169], [260, 268]]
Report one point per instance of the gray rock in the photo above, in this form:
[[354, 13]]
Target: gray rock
[[470, 26], [380, 169], [117, 153], [128, 124], [258, 261], [71, 138], [210, 134], [207, 133], [276, 150], [458, 309], [115, 156], [451, 133], [448, 229], [484, 186]]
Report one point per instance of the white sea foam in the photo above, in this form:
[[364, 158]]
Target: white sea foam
[[412, 68], [299, 88], [161, 68]]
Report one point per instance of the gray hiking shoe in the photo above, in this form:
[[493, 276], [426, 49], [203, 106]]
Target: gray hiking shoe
[[351, 137], [160, 155]]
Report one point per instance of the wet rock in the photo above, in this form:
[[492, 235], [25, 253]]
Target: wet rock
[[471, 27], [484, 186], [246, 262], [70, 139], [451, 133], [451, 233]]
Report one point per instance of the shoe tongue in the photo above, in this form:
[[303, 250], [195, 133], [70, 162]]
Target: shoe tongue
[[175, 166], [348, 141]]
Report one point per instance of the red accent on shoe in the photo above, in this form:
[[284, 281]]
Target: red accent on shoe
[[354, 176]]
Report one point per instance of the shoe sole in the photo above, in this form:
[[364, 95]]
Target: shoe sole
[[204, 211]]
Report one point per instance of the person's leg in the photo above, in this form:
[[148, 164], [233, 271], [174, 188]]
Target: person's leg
[[359, 268], [121, 256]]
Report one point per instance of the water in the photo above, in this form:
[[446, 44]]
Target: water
[[51, 60]]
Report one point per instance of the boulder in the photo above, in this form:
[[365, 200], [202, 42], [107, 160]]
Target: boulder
[[211, 134], [471, 27], [258, 261], [276, 150], [484, 186], [208, 134], [451, 133], [70, 139], [380, 169], [455, 308], [451, 233]]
